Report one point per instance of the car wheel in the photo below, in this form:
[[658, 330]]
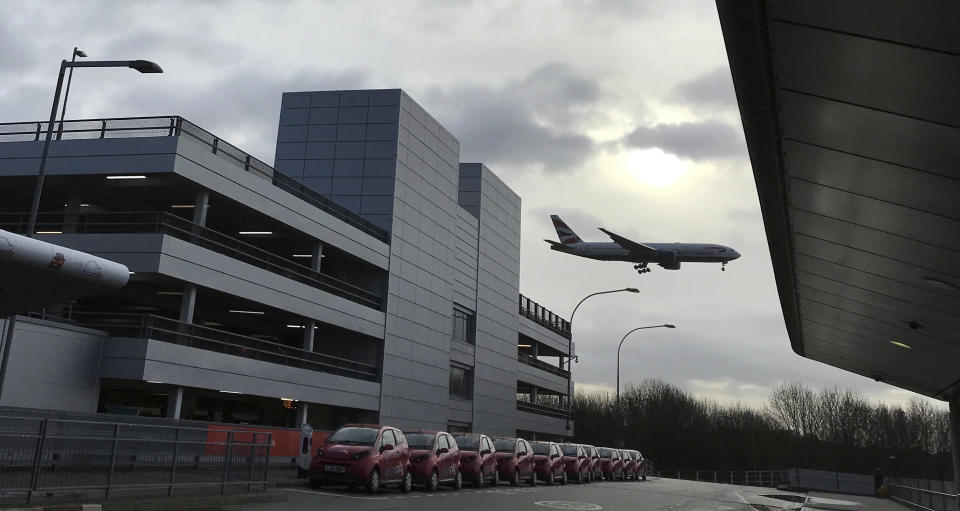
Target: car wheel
[[373, 482], [434, 481], [480, 479], [516, 478], [407, 483], [563, 481], [548, 480], [496, 478], [533, 478], [458, 481], [315, 484]]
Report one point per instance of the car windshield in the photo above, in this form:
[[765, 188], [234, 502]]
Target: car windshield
[[569, 450], [467, 443], [503, 445], [605, 453], [354, 436], [541, 448], [420, 440]]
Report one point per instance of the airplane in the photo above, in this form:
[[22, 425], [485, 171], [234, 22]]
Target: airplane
[[667, 255]]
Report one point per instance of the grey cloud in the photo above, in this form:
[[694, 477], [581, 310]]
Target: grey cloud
[[691, 140], [525, 121], [713, 89]]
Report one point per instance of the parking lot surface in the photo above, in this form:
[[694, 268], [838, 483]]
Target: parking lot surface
[[652, 495]]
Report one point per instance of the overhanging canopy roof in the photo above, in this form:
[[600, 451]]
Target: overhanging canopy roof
[[851, 112]]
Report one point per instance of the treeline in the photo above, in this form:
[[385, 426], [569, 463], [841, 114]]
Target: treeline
[[830, 429]]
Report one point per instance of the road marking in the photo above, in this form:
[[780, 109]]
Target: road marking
[[336, 494], [744, 500], [566, 504]]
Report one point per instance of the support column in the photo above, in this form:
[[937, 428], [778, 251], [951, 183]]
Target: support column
[[302, 410], [174, 403], [200, 205], [955, 441], [310, 329], [188, 303], [534, 349]]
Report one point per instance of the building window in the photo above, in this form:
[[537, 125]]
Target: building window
[[461, 382], [464, 325]]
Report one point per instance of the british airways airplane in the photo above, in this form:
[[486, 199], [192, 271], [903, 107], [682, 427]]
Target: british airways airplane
[[667, 255]]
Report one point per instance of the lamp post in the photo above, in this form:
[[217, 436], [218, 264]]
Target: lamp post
[[570, 345], [619, 412], [143, 66], [66, 93]]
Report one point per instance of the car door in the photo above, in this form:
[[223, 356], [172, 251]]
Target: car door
[[454, 456], [443, 457], [524, 458], [391, 458], [488, 462], [556, 460]]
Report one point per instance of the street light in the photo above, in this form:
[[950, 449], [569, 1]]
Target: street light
[[66, 93], [570, 343], [619, 413], [143, 66]]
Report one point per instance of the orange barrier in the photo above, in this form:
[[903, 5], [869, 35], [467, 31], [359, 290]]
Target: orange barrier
[[285, 441]]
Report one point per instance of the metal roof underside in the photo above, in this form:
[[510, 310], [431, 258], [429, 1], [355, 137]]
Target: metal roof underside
[[851, 112]]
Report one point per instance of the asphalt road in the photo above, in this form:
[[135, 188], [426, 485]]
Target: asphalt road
[[652, 495]]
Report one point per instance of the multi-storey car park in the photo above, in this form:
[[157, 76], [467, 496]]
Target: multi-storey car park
[[368, 276]]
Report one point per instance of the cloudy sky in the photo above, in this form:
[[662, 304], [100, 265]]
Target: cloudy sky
[[612, 114]]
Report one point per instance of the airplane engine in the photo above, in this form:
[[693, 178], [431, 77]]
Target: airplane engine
[[669, 259]]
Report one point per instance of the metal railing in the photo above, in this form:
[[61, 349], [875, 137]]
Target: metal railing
[[149, 326], [532, 310], [161, 222], [540, 364], [95, 459], [527, 406], [171, 126], [767, 478], [924, 494]]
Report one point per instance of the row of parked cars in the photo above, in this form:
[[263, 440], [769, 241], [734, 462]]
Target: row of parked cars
[[372, 456]]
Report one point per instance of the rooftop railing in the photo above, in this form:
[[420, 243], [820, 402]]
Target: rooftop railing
[[532, 310], [162, 222], [158, 328], [174, 126]]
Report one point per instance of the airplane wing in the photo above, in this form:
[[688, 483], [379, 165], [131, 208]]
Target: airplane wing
[[632, 246]]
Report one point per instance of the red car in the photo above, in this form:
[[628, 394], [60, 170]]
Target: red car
[[366, 454], [515, 460], [630, 467], [575, 462], [641, 468], [478, 460], [595, 466], [611, 464], [434, 459], [549, 462]]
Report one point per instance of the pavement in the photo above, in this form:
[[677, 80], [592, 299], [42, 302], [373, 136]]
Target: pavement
[[655, 494]]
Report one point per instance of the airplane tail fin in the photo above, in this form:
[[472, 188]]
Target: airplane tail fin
[[566, 234]]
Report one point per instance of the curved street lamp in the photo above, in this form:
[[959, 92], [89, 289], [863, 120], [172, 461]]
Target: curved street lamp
[[570, 344], [619, 413]]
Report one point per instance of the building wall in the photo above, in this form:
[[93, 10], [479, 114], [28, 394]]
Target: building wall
[[53, 366], [498, 284]]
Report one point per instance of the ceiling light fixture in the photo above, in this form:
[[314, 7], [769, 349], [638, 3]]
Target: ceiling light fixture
[[302, 255], [255, 233], [182, 206], [170, 293], [523, 345], [127, 176], [237, 311], [295, 326], [228, 391], [901, 345], [49, 232]]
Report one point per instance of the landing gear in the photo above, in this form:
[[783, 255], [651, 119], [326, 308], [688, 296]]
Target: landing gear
[[723, 266], [641, 268]]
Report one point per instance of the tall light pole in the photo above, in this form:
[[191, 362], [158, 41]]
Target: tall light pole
[[143, 66], [66, 94], [619, 412], [570, 346]]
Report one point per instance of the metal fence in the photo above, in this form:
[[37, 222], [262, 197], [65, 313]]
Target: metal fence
[[924, 494], [532, 310], [767, 478], [172, 125], [159, 328], [51, 458], [162, 222], [540, 364]]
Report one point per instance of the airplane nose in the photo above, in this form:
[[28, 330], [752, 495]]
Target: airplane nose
[[736, 255]]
